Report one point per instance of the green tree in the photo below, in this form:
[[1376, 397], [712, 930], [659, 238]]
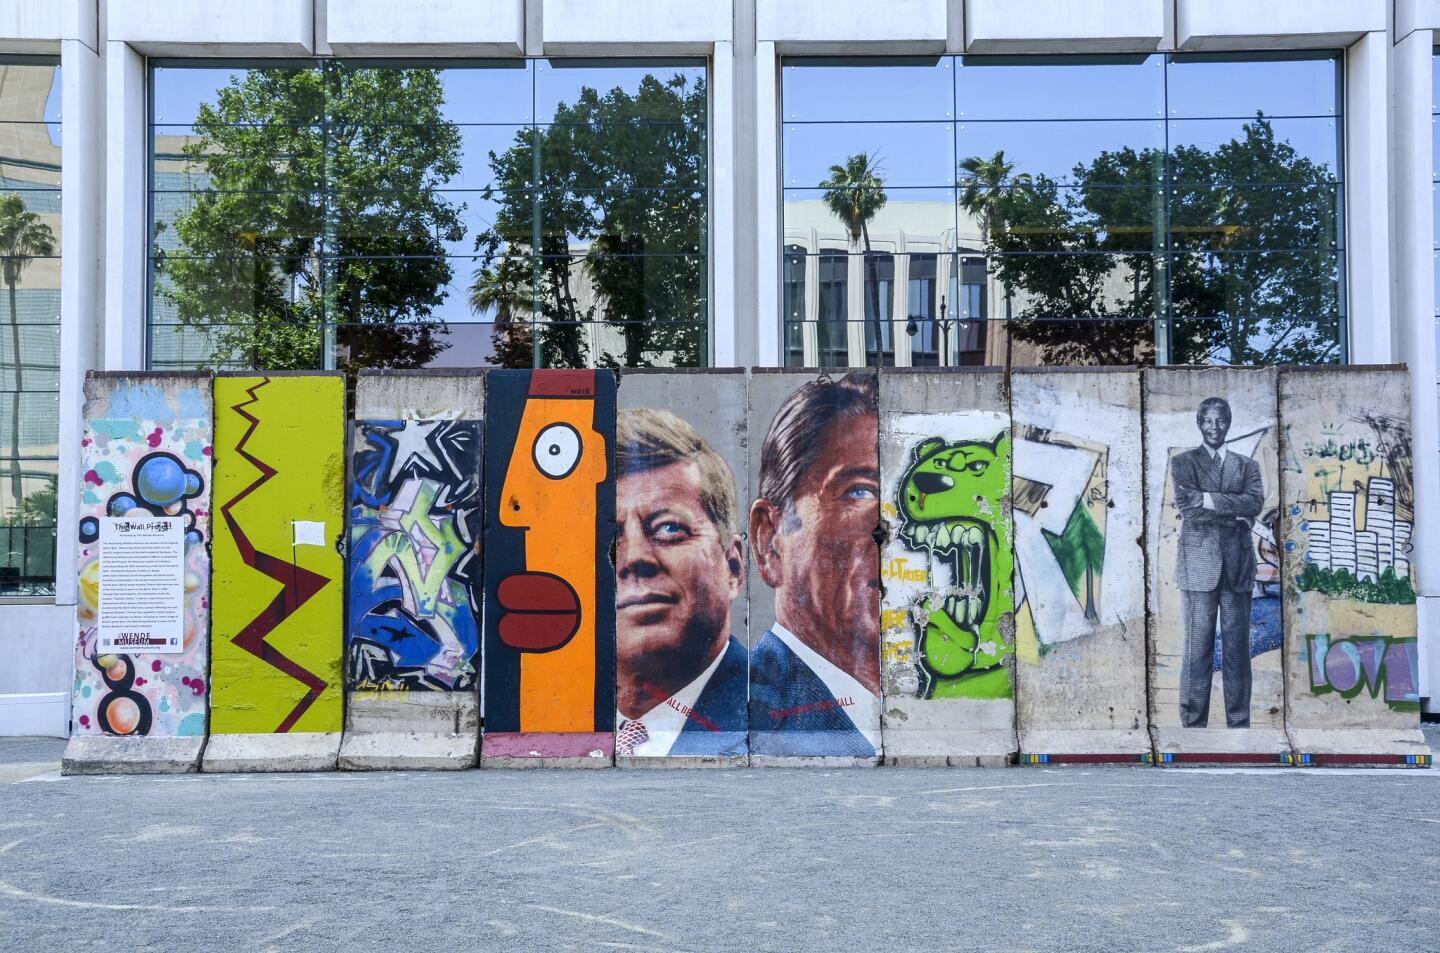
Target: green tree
[[988, 190], [319, 204], [23, 238], [855, 193], [614, 188]]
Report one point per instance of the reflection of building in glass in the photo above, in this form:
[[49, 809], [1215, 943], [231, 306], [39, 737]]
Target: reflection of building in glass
[[30, 159], [1366, 553]]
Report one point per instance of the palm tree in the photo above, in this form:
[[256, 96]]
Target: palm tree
[[984, 183], [854, 192], [22, 237]]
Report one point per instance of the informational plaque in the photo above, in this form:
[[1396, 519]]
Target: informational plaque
[[142, 584]]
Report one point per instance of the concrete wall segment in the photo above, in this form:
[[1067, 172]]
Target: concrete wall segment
[[1079, 518], [852, 26], [947, 568], [40, 26], [198, 27], [592, 27]]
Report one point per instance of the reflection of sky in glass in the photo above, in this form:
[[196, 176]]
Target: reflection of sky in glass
[[1054, 149], [909, 154], [494, 92], [875, 89], [179, 91], [1316, 139], [1228, 87], [1010, 88]]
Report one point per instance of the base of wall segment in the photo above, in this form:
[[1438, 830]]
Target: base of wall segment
[[950, 747], [103, 754], [535, 749], [949, 760], [415, 731], [1259, 747], [35, 714], [303, 751], [1078, 746], [1375, 747], [810, 761], [683, 761]]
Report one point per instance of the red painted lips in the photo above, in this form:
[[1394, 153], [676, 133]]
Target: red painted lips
[[538, 612]]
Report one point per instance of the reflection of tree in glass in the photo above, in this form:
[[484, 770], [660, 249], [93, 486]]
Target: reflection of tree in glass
[[1251, 280], [621, 176], [23, 238], [316, 181], [854, 193]]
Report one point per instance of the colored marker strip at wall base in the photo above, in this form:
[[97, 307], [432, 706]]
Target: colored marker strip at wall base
[[1145, 758], [1284, 759], [599, 745], [1372, 760]]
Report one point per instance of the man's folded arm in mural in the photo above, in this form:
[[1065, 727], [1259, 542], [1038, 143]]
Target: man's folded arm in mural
[[1245, 505]]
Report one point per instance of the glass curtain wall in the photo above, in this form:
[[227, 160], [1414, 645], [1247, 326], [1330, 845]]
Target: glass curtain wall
[[1070, 210], [30, 337], [392, 214]]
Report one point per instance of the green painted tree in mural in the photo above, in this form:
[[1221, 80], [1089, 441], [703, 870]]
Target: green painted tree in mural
[[614, 188], [1080, 552], [317, 207]]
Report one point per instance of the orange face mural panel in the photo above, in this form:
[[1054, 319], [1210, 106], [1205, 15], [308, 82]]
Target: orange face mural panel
[[549, 633]]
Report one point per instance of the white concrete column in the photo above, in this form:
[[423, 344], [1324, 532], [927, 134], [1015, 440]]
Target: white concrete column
[[80, 177], [722, 245], [768, 332], [855, 320], [1367, 200], [901, 315], [125, 203], [1414, 164]]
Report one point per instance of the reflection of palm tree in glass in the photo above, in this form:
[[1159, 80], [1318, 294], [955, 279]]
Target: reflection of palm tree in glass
[[854, 193], [23, 237], [985, 183]]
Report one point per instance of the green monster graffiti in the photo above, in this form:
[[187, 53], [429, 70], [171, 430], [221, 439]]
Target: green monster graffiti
[[950, 502]]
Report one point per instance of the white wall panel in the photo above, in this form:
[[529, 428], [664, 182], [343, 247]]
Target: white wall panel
[[1274, 24], [1039, 26], [853, 26], [199, 27], [442, 27], [635, 26], [38, 26]]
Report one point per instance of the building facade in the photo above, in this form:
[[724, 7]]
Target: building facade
[[322, 184]]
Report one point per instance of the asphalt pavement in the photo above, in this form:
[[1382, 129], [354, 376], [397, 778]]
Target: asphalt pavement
[[786, 860]]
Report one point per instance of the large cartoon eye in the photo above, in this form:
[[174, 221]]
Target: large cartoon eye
[[557, 450], [978, 466]]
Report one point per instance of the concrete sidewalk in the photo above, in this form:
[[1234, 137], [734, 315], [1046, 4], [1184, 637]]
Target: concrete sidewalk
[[1044, 859]]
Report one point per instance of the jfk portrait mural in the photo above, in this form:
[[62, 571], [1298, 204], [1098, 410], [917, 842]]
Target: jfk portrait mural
[[680, 672], [815, 674], [1220, 495]]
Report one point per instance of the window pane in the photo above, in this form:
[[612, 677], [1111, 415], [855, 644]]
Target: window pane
[[920, 219], [1010, 88], [29, 422], [36, 293], [1257, 151], [650, 154], [453, 344], [29, 155], [612, 90], [493, 92], [243, 158], [1078, 153], [1060, 287], [27, 527], [1291, 339], [291, 93], [879, 89], [31, 89], [1245, 284], [1043, 217], [1101, 343], [39, 349], [900, 154], [1237, 87], [230, 224], [1254, 217]]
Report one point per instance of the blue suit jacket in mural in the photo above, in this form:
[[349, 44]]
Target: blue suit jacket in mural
[[792, 712], [721, 705]]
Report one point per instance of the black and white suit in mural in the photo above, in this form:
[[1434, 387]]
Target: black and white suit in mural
[[1220, 494]]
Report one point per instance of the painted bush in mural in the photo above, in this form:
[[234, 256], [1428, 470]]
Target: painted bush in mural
[[549, 585], [279, 491], [415, 524], [145, 452]]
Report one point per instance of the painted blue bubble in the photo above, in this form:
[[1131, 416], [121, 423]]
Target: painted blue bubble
[[193, 538], [191, 725], [122, 504], [192, 483], [161, 480], [89, 529], [1289, 547]]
